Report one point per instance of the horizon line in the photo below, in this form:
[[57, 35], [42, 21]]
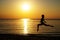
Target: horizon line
[[23, 18]]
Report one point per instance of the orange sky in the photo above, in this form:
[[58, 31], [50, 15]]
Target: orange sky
[[12, 9]]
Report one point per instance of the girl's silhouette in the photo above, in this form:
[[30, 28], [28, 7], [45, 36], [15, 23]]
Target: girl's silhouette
[[42, 23]]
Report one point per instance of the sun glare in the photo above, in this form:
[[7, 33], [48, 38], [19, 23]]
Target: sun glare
[[25, 21], [25, 7]]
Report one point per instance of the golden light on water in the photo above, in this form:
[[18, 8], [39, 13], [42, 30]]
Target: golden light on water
[[25, 21], [25, 26]]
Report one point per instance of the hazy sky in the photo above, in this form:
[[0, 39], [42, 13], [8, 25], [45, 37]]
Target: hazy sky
[[13, 9]]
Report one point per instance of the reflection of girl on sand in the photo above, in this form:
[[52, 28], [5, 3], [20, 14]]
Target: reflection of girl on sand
[[42, 23]]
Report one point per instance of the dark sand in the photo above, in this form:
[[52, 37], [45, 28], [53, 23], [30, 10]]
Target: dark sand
[[29, 36]]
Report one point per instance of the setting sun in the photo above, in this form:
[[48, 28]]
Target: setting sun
[[26, 18], [25, 7]]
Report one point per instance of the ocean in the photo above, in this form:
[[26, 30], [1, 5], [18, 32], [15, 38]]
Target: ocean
[[28, 26]]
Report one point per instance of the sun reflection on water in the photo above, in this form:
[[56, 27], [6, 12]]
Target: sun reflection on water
[[25, 23]]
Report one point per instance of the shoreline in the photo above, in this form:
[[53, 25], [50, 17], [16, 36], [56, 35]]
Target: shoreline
[[29, 36]]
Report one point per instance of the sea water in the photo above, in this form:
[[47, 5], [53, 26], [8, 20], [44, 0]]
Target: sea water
[[28, 27]]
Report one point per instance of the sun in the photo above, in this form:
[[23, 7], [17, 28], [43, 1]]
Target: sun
[[25, 7]]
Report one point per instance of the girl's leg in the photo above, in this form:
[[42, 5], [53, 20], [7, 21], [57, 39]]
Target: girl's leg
[[38, 27]]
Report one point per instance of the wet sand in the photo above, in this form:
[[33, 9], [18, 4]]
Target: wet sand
[[29, 36]]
